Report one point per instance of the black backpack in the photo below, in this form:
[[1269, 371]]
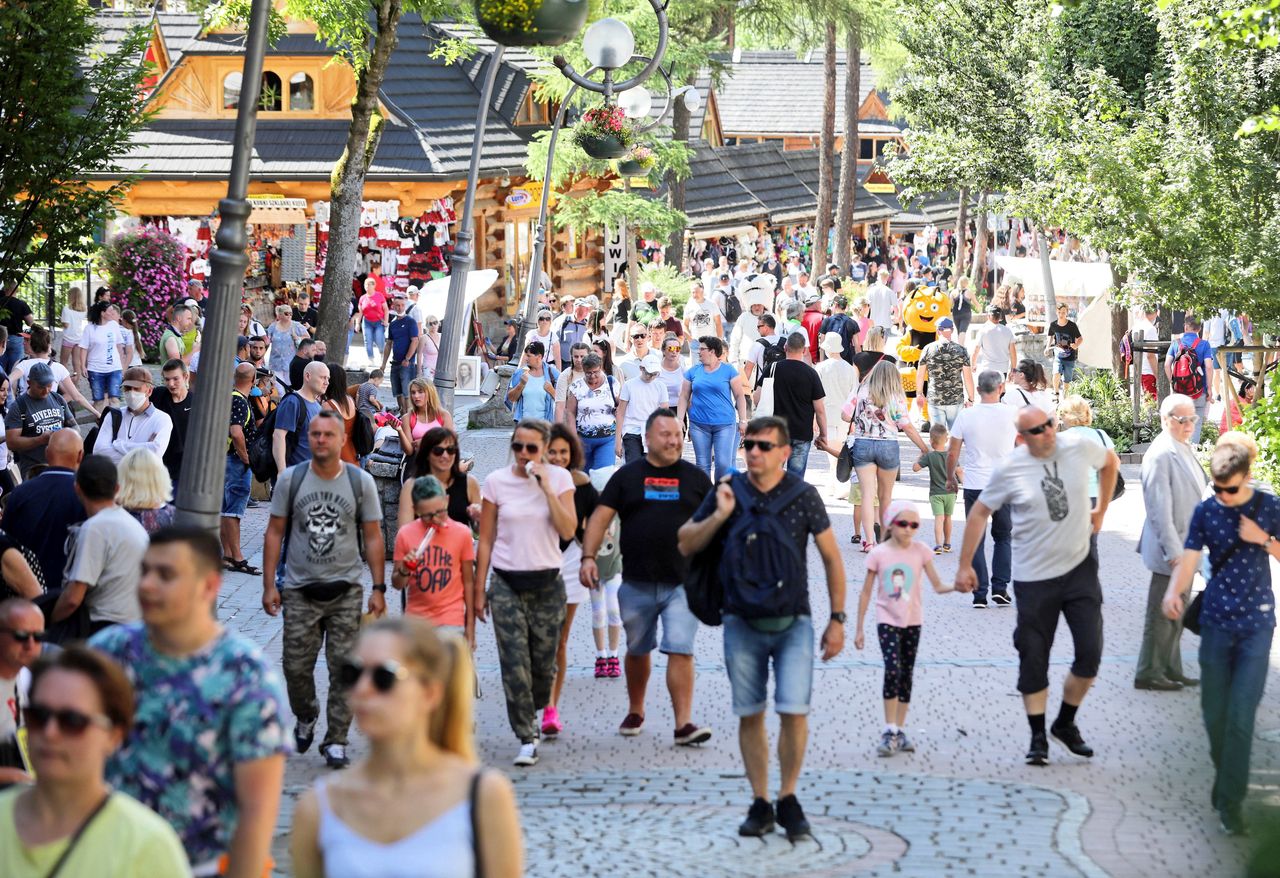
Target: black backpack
[[732, 306], [117, 416], [762, 570], [262, 459], [773, 353]]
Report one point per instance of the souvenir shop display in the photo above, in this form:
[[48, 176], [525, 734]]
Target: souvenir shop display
[[410, 249]]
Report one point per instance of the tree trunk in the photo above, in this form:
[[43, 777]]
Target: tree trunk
[[826, 150], [849, 155], [962, 233], [722, 24], [1164, 330], [1119, 326], [346, 186], [675, 255], [980, 250]]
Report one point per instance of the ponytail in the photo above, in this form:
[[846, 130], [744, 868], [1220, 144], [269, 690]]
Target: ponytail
[[453, 725]]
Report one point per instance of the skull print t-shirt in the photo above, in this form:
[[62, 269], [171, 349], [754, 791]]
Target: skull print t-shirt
[[323, 538], [1049, 501]]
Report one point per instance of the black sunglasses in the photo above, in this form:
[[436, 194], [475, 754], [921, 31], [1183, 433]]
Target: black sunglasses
[[640, 335], [442, 450], [1037, 430], [913, 525], [25, 637], [383, 676], [1226, 489], [762, 444], [527, 447], [70, 722]]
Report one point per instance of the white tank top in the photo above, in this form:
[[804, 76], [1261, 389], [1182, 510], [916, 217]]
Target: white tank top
[[441, 849]]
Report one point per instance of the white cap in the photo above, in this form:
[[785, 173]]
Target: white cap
[[651, 363], [831, 343]]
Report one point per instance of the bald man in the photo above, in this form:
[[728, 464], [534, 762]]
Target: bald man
[[1045, 484], [21, 633], [39, 511], [289, 443]]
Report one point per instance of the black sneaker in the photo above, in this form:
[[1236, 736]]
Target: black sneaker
[[1070, 738], [1038, 752], [1232, 822], [304, 732], [759, 822], [791, 818], [335, 755], [1000, 599], [980, 603]]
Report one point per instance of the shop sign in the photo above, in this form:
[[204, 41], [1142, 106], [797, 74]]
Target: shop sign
[[524, 195], [615, 254], [276, 202]]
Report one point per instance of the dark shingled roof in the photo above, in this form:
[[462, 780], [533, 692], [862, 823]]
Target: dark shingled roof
[[233, 44], [778, 93], [714, 197], [760, 168], [178, 29], [867, 207]]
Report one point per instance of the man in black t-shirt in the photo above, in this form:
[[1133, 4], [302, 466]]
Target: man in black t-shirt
[[653, 496], [15, 316], [797, 399], [1064, 341], [175, 401]]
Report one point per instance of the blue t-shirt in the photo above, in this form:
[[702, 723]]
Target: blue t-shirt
[[403, 331], [196, 717], [1238, 598], [287, 419], [1203, 352], [711, 401]]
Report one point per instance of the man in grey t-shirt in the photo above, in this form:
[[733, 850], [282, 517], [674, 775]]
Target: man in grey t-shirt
[[106, 558], [34, 416], [1045, 484], [323, 506]]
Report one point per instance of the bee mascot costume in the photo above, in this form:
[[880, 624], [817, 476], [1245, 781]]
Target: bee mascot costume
[[923, 310]]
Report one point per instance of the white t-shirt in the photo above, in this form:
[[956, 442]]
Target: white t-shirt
[[988, 431], [526, 538], [1215, 332], [1018, 398], [102, 341], [701, 317], [993, 349], [1049, 502], [135, 358], [643, 399], [74, 322], [674, 380], [1149, 334], [882, 299], [24, 368], [532, 335]]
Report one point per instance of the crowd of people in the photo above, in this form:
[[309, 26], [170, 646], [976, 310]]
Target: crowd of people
[[142, 736]]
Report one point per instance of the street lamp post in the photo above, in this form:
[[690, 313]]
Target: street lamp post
[[200, 483]]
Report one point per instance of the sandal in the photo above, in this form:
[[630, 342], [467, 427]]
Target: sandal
[[228, 563], [243, 566], [866, 547]]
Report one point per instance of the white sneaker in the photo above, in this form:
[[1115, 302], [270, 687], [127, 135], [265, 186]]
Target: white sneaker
[[528, 754]]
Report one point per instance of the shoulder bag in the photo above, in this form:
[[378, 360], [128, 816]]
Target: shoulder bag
[[1191, 616]]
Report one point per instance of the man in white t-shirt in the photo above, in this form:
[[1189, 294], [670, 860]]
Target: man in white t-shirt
[[1045, 484], [638, 398], [981, 437], [996, 348], [883, 300], [1147, 324], [701, 318]]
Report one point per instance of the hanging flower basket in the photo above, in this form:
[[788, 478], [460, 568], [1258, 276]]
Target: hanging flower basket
[[638, 164], [531, 22], [604, 133]]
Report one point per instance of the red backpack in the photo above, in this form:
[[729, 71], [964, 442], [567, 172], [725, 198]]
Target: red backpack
[[1187, 376]]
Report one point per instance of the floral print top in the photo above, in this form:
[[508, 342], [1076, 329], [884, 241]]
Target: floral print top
[[870, 421]]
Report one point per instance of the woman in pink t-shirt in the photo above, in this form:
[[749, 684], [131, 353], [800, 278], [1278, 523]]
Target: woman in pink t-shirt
[[526, 509], [899, 564]]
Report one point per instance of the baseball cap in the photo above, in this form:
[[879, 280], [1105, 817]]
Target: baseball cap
[[400, 294], [811, 297], [651, 363], [41, 374], [946, 323], [412, 290]]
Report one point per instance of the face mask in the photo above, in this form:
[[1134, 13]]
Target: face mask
[[319, 358], [134, 399], [257, 391]]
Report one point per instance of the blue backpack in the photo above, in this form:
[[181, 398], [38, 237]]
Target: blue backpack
[[762, 570]]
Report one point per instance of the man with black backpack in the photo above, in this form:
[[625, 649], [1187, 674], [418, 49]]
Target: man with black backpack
[[289, 435], [1189, 365], [764, 520], [767, 352]]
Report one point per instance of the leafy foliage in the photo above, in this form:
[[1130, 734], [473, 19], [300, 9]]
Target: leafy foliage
[[644, 216], [1113, 409], [669, 282], [147, 266], [1262, 422]]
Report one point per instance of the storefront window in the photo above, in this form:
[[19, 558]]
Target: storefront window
[[231, 91], [302, 92], [272, 93]]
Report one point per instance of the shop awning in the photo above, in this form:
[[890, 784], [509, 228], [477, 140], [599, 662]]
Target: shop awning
[[273, 211]]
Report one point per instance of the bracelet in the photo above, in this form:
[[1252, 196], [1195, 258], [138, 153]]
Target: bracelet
[[588, 557], [380, 586]]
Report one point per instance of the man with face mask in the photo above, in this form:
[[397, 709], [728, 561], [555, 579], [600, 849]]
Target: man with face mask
[[638, 398], [140, 425]]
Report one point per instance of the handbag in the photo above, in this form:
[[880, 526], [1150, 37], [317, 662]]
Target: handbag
[[528, 580], [1191, 616], [325, 590]]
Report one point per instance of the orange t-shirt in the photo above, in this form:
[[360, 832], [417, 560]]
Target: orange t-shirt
[[435, 588]]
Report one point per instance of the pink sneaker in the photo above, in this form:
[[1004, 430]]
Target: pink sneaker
[[551, 725], [602, 667], [615, 667]]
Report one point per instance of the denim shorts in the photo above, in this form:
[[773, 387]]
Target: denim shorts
[[105, 384], [883, 453], [1065, 368], [235, 491], [642, 604], [401, 376], [747, 655]]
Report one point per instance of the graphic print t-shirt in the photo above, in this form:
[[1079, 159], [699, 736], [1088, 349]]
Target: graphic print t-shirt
[[323, 541], [900, 581], [435, 588], [653, 502], [945, 361]]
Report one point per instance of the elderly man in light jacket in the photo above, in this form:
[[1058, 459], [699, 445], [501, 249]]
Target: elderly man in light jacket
[[1173, 482]]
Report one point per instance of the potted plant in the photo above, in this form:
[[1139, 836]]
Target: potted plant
[[604, 133], [638, 164], [531, 22]]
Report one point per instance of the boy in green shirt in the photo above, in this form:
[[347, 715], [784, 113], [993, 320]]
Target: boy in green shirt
[[941, 501]]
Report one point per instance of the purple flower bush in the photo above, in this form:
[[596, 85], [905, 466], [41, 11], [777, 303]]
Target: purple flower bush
[[147, 267]]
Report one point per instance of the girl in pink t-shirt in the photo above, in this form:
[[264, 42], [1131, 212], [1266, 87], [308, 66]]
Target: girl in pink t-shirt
[[899, 564]]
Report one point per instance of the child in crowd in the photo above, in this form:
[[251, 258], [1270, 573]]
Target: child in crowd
[[366, 394], [899, 564], [942, 502], [435, 562]]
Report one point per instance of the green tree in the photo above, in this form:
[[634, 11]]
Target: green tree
[[66, 112]]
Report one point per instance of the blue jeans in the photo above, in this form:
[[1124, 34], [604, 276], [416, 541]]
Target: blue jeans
[[13, 352], [235, 492], [1233, 673], [1001, 554], [105, 384], [718, 440], [598, 451], [799, 459], [747, 656], [375, 337]]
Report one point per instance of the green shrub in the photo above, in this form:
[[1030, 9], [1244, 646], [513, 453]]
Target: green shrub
[[1262, 422], [670, 283], [1113, 409]]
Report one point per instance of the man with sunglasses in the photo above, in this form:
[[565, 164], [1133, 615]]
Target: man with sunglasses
[[21, 640], [1045, 484], [779, 633], [639, 336], [207, 747]]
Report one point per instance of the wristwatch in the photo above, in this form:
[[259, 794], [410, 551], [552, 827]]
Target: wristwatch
[[380, 586], [839, 617]]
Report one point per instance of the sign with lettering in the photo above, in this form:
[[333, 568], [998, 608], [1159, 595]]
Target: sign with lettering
[[615, 254]]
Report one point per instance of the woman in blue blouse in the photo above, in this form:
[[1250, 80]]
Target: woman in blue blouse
[[533, 386], [713, 398]]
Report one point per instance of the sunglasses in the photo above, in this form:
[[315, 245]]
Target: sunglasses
[[762, 444], [25, 637], [912, 525], [526, 447], [70, 722], [1037, 430], [442, 450], [1184, 419], [544, 319], [640, 335], [383, 676], [673, 350], [438, 515], [1227, 489]]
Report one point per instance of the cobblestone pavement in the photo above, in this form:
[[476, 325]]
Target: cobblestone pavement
[[963, 804]]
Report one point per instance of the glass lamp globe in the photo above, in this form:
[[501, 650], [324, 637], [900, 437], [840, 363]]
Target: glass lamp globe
[[692, 100], [608, 44], [636, 102]]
